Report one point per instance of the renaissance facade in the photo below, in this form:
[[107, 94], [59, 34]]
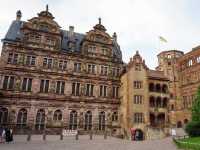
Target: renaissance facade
[[53, 78]]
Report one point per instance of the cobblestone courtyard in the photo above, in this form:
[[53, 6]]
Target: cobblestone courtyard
[[98, 143]]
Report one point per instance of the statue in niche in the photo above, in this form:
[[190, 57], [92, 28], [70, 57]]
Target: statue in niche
[[81, 118], [109, 118], [53, 87], [17, 84]]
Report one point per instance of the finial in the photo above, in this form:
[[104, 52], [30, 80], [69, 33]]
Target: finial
[[137, 52], [99, 20], [18, 15], [47, 7]]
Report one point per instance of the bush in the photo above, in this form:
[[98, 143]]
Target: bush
[[193, 128]]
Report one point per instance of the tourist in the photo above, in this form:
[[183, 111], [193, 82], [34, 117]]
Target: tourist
[[173, 133]]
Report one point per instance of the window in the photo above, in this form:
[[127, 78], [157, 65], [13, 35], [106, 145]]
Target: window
[[91, 68], [73, 120], [12, 58], [198, 59], [88, 120], [104, 51], [102, 121], [104, 70], [8, 83], [76, 89], [3, 115], [137, 99], [89, 90], [138, 118], [30, 60], [44, 86], [169, 56], [40, 120], [77, 67], [115, 72], [138, 67], [137, 84], [190, 63], [26, 84], [48, 63], [60, 87], [22, 118], [57, 116], [114, 116], [115, 92], [62, 65], [103, 91], [92, 49], [50, 41]]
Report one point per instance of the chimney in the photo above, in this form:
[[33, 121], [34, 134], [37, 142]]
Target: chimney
[[71, 31], [114, 36], [18, 15]]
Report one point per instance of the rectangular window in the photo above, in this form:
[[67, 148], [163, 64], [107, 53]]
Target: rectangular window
[[198, 59], [8, 83], [137, 99], [30, 60], [89, 90], [104, 70], [26, 84], [62, 65], [60, 87], [77, 67], [48, 63], [44, 86], [76, 89], [137, 84], [91, 68], [12, 58], [115, 92], [103, 91], [138, 118]]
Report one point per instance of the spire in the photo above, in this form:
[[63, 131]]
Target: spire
[[114, 36], [18, 15], [47, 8], [99, 20], [99, 26]]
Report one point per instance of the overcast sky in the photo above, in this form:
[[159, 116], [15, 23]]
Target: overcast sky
[[138, 23]]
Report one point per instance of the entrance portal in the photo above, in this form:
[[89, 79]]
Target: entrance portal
[[139, 135]]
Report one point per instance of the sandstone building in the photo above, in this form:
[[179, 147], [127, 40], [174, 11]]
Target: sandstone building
[[52, 78], [144, 100]]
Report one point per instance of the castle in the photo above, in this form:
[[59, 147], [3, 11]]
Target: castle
[[51, 78]]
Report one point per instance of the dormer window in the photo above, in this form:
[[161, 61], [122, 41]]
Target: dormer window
[[92, 49], [44, 28], [71, 45], [50, 41], [190, 63]]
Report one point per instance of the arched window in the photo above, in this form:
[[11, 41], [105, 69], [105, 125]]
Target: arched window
[[114, 116], [3, 116], [164, 88], [165, 101], [40, 120], [12, 117], [158, 88], [158, 102], [22, 118], [151, 87], [152, 101], [73, 120], [102, 120], [88, 120], [57, 115]]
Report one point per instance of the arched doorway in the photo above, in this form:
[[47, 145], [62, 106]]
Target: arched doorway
[[185, 121], [139, 135], [179, 124]]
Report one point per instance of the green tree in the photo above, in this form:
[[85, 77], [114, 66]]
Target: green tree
[[193, 127], [196, 107]]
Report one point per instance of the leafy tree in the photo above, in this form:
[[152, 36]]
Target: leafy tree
[[193, 127]]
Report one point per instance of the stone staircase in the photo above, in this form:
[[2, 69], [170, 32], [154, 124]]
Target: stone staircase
[[155, 133]]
